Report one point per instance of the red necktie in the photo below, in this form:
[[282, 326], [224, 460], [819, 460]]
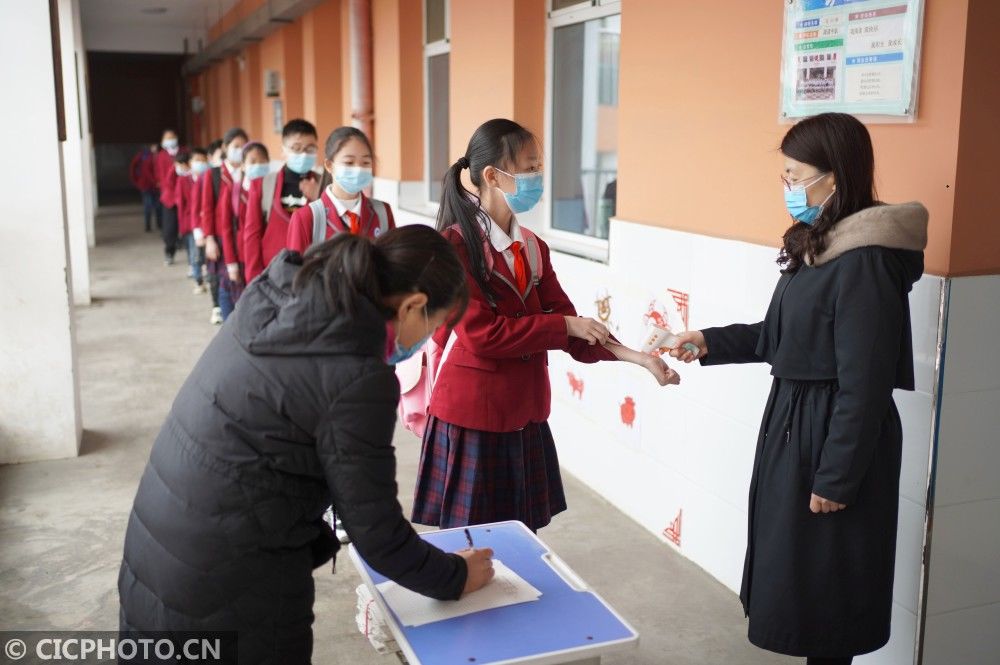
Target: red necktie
[[520, 269], [354, 222]]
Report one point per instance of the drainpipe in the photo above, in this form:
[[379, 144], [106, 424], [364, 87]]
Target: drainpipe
[[360, 24]]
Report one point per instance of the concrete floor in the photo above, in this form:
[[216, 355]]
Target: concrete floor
[[62, 522]]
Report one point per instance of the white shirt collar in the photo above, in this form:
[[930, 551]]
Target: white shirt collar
[[502, 241], [339, 205], [234, 171]]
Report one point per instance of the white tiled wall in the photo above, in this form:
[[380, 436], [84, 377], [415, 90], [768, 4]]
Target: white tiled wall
[[690, 448], [963, 599]]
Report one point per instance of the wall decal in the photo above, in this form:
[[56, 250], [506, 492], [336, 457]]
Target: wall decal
[[673, 530], [575, 384], [628, 412]]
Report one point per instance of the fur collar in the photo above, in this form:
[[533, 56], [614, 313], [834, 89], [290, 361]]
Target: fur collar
[[899, 226]]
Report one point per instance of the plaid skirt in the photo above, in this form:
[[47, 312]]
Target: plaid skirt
[[471, 477]]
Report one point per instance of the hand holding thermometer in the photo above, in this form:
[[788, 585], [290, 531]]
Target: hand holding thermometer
[[658, 338]]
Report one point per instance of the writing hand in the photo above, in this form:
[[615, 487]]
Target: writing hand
[[479, 564]]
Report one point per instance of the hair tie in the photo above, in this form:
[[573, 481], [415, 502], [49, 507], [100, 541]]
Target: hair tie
[[463, 162]]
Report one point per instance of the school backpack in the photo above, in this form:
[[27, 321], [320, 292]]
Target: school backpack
[[320, 220], [216, 182], [418, 374], [267, 195]]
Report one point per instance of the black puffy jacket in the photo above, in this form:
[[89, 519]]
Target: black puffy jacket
[[290, 407]]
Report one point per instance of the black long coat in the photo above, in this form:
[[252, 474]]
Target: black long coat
[[838, 339], [289, 408]]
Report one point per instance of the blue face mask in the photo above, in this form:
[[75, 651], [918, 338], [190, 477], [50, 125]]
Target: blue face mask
[[198, 168], [401, 353], [300, 162], [798, 205], [528, 193], [352, 179], [255, 171], [234, 154], [169, 144]]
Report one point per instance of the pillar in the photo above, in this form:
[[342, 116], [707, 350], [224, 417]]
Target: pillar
[[74, 172], [40, 407]]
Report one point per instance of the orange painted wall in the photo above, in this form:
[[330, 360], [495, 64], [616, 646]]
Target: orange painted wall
[[272, 57], [529, 65], [411, 96], [495, 43], [345, 65], [291, 73], [321, 71], [697, 127], [975, 246], [398, 89], [251, 89]]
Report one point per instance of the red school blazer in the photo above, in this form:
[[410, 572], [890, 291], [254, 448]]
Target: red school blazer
[[262, 241], [166, 177], [147, 173], [300, 228], [224, 214], [194, 203], [496, 377], [183, 194]]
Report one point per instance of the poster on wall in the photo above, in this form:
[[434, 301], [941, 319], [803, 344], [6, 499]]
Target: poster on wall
[[851, 56]]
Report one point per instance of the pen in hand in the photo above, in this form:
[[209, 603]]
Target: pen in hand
[[468, 539]]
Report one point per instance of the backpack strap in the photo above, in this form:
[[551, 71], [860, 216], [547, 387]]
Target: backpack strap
[[267, 198], [533, 248], [383, 216], [216, 182], [319, 222]]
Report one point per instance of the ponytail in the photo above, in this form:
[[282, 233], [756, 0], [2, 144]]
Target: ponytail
[[495, 143], [460, 207], [409, 259]]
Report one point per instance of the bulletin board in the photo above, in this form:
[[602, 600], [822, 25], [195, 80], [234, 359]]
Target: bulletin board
[[851, 56]]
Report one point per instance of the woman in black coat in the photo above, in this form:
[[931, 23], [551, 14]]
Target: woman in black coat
[[292, 407], [818, 575]]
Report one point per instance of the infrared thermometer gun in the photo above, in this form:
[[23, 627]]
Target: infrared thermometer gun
[[658, 338]]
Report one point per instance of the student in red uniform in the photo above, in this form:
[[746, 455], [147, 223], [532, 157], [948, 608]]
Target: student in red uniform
[[488, 453], [274, 199], [190, 224], [166, 177], [216, 200], [343, 206], [215, 153], [256, 165], [142, 173], [214, 156], [182, 199]]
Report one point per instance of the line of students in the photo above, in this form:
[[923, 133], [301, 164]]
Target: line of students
[[302, 391], [488, 453], [233, 213]]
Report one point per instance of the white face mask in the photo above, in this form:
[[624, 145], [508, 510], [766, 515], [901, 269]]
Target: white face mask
[[234, 154]]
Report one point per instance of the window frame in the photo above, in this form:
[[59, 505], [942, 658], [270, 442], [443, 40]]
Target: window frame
[[578, 244], [430, 50]]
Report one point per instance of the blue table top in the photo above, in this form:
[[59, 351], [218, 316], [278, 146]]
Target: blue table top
[[567, 623]]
